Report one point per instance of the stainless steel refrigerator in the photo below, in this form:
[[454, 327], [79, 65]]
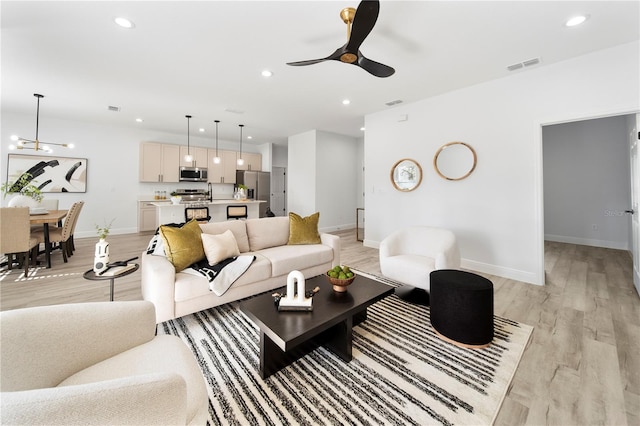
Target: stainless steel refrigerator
[[259, 187]]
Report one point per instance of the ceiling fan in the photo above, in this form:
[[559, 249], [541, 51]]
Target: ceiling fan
[[359, 22]]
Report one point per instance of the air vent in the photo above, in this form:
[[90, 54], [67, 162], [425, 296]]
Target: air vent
[[392, 103], [113, 108], [527, 63], [234, 111]]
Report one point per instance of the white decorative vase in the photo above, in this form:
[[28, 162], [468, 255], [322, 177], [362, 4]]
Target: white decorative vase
[[20, 200], [101, 258]]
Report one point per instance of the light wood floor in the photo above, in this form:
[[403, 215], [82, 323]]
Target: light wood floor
[[582, 366]]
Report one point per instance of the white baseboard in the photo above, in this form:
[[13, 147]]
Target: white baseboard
[[501, 271], [92, 234], [338, 228], [619, 245]]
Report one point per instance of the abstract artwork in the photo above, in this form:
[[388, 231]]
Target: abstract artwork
[[50, 174]]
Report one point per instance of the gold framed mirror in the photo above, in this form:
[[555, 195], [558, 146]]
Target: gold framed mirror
[[406, 175], [455, 160]]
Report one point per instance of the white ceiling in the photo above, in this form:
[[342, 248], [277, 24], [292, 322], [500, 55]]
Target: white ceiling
[[202, 58]]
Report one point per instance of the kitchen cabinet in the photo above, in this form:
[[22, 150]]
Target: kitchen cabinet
[[199, 157], [159, 162], [147, 216], [225, 172], [252, 161]]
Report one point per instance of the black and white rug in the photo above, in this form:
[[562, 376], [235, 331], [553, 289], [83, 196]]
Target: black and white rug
[[401, 372]]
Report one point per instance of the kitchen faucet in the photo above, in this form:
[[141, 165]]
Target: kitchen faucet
[[210, 191]]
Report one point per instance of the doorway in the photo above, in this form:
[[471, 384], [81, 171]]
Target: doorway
[[279, 191], [587, 184]]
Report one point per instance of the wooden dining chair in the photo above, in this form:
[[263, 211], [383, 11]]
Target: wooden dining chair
[[63, 235], [201, 214], [15, 236]]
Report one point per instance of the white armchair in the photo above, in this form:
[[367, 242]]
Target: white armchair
[[410, 254], [96, 363]]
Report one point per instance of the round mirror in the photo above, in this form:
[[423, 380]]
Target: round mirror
[[455, 160], [406, 175]]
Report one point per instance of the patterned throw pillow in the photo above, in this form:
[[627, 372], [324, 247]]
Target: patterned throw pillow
[[304, 230]]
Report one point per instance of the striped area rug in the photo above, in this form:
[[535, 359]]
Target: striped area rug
[[401, 372]]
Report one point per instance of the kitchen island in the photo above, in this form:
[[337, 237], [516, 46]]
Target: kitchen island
[[174, 213]]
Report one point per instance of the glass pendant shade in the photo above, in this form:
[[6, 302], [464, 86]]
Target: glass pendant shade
[[240, 160], [216, 159], [188, 157]]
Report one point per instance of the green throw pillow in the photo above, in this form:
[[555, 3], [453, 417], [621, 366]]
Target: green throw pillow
[[183, 246], [304, 230]]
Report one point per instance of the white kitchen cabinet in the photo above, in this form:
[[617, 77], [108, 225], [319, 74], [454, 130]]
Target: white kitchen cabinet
[[159, 162], [252, 161], [199, 156], [225, 172], [147, 216]]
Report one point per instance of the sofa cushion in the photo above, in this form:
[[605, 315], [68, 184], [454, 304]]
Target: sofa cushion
[[267, 232], [218, 247], [183, 246], [304, 230], [237, 227], [285, 259]]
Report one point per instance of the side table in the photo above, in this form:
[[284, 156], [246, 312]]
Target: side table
[[91, 275]]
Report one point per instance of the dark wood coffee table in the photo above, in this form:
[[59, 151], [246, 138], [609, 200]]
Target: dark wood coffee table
[[286, 336]]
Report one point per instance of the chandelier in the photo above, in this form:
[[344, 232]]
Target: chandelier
[[36, 145]]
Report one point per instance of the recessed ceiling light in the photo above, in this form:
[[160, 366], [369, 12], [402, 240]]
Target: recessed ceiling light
[[201, 129], [362, 129], [139, 120], [346, 102], [576, 20], [249, 137], [267, 73], [124, 22]]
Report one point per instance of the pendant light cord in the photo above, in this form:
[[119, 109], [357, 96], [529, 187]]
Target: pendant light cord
[[188, 145], [216, 121], [241, 126]]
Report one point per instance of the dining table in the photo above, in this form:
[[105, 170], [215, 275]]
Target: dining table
[[50, 217]]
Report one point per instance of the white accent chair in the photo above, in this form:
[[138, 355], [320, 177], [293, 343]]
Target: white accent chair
[[409, 255], [96, 364]]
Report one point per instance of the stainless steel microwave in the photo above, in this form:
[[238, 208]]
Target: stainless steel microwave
[[193, 174]]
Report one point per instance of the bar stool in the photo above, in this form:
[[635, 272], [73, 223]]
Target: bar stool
[[237, 212]]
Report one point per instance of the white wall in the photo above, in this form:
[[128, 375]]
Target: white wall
[[322, 176], [113, 158], [497, 212], [587, 182]]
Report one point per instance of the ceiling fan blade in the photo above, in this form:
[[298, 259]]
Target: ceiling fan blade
[[333, 57], [309, 62], [363, 22], [374, 68]]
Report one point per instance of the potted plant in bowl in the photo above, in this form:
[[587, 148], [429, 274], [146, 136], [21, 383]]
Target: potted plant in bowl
[[28, 195], [175, 198]]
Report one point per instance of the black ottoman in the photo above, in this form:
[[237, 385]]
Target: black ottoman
[[462, 307]]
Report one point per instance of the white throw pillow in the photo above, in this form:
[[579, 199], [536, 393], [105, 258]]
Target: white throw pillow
[[219, 247]]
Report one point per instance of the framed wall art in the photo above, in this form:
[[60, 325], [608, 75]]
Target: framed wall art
[[49, 173]]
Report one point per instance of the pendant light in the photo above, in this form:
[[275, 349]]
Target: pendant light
[[216, 159], [240, 160], [188, 158], [23, 143]]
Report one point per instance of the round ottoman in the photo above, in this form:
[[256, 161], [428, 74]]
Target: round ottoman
[[462, 307]]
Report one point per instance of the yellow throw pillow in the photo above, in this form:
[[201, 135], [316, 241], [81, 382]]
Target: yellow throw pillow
[[218, 247], [183, 246], [304, 230]]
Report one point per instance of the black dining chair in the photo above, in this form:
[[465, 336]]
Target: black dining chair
[[237, 212]]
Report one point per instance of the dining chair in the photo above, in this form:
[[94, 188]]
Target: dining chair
[[237, 212], [49, 203], [16, 236], [64, 233], [72, 244], [201, 214]]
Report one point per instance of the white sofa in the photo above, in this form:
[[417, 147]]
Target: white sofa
[[409, 255], [96, 364], [178, 294]]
